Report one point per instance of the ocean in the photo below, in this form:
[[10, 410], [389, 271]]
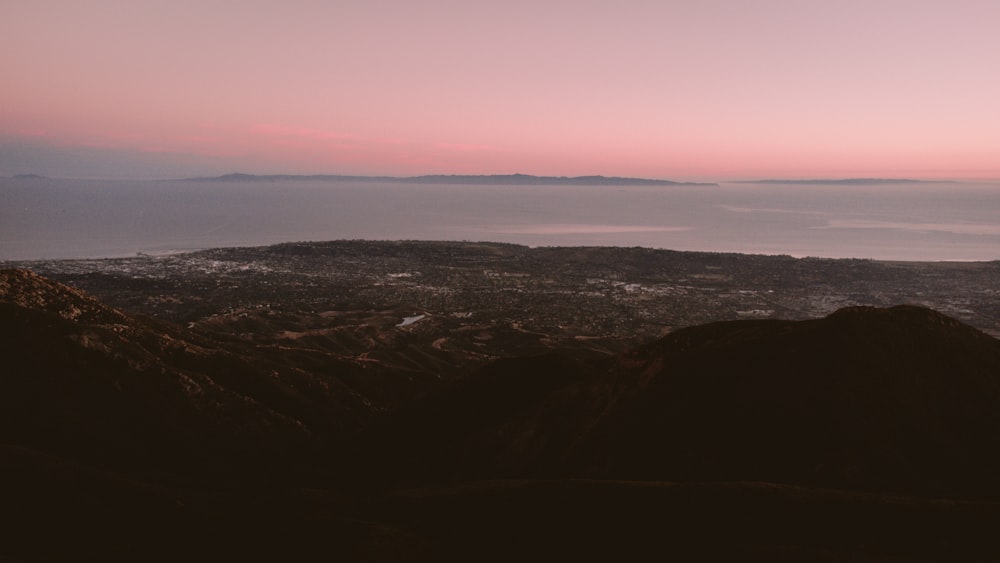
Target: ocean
[[933, 221]]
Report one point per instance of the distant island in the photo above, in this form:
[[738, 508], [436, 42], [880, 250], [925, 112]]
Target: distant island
[[491, 179], [839, 181], [28, 177]]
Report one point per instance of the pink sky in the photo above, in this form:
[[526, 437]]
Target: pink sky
[[677, 89]]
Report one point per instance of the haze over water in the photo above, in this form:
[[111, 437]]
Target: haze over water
[[45, 219]]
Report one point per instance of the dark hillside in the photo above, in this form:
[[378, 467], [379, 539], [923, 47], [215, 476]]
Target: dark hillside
[[480, 427], [901, 399], [881, 399], [86, 381], [869, 435]]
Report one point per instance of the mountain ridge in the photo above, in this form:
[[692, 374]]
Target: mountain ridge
[[473, 179], [841, 181]]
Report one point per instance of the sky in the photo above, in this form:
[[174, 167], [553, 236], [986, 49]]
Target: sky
[[674, 89]]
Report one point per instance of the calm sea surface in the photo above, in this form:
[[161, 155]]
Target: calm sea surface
[[42, 219]]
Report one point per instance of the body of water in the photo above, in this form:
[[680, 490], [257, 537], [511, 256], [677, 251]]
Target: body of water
[[44, 219]]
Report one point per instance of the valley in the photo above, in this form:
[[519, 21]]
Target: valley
[[483, 301]]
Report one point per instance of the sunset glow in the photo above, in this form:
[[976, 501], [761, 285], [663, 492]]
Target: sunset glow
[[681, 89]]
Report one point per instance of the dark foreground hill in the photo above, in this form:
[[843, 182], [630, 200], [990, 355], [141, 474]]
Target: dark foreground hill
[[901, 399], [85, 380], [870, 435]]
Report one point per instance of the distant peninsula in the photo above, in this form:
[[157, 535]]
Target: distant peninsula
[[839, 181], [492, 179]]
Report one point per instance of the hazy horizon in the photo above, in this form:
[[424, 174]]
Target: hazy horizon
[[125, 91], [735, 179], [682, 90], [53, 218]]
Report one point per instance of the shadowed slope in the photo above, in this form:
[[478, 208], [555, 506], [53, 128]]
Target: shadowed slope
[[821, 440], [87, 381], [884, 399], [901, 399]]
